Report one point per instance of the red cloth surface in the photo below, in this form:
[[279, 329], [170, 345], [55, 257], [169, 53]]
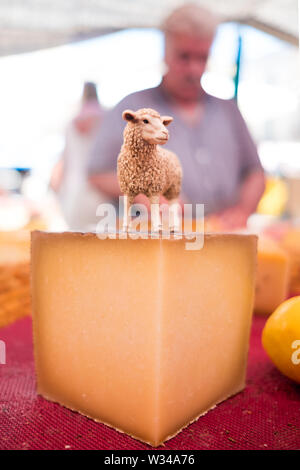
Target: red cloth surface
[[264, 416]]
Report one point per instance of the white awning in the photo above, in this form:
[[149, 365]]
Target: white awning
[[28, 25]]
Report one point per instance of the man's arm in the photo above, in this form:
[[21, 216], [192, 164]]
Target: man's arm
[[252, 179], [102, 167], [251, 191], [107, 183], [57, 175]]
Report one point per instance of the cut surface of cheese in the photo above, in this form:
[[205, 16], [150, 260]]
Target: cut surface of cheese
[[142, 335], [272, 279]]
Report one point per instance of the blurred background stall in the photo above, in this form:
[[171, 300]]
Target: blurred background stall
[[49, 50]]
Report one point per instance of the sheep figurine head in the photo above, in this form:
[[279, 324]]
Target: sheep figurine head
[[149, 125]]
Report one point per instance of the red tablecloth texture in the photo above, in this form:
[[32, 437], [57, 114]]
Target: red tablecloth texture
[[266, 415]]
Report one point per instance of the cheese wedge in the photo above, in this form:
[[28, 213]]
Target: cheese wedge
[[291, 244], [142, 335], [273, 275]]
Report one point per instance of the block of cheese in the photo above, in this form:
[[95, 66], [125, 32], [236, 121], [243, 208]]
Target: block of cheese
[[272, 279], [142, 335], [291, 244]]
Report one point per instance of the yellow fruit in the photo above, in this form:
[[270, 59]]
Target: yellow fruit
[[281, 338], [275, 197]]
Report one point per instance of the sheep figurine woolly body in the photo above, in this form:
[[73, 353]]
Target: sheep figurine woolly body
[[146, 168]]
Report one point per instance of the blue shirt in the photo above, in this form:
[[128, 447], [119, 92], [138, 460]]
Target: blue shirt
[[216, 153]]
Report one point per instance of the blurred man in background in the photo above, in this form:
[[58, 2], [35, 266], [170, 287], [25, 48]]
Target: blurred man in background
[[220, 163]]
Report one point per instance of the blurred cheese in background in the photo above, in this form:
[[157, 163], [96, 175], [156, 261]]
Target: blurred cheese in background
[[15, 299], [14, 275], [291, 244], [278, 266], [25, 205], [275, 197], [293, 203], [272, 276]]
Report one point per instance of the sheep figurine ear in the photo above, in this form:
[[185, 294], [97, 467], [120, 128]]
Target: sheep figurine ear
[[129, 115], [166, 120]]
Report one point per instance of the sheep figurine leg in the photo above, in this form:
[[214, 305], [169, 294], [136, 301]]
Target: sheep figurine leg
[[174, 218], [128, 201]]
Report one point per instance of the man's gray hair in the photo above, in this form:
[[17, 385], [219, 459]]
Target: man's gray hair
[[191, 19]]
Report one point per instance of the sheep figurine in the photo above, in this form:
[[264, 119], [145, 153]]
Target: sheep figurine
[[144, 167]]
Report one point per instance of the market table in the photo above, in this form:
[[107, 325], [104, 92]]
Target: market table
[[266, 415]]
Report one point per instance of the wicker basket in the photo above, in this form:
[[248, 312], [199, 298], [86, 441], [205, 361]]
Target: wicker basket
[[14, 292], [14, 276]]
